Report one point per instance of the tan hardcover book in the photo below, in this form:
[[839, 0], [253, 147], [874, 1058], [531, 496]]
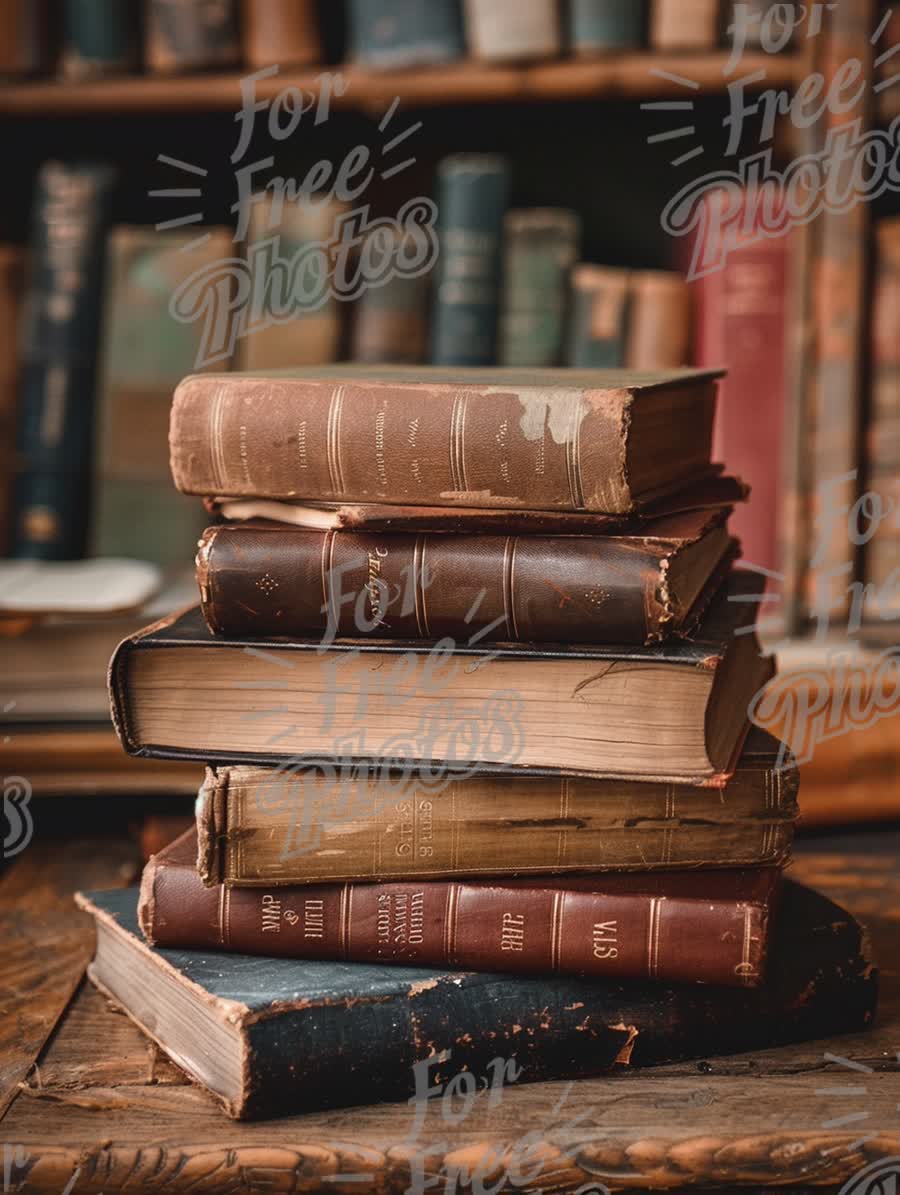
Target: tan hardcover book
[[513, 30], [601, 440], [280, 32], [264, 826], [284, 233], [659, 321], [684, 24]]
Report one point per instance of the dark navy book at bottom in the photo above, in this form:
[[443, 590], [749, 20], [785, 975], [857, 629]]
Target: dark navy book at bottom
[[273, 1036]]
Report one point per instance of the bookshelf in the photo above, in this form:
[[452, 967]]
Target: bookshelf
[[634, 75]]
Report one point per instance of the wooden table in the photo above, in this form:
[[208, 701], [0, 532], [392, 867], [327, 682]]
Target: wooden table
[[83, 1091]]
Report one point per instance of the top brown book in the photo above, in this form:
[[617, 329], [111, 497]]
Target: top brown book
[[556, 439]]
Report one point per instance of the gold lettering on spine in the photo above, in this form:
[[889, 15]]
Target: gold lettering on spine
[[271, 914], [314, 919], [450, 923], [573, 454], [344, 920], [418, 584], [380, 467], [217, 456], [512, 932], [507, 587], [604, 939], [556, 930], [458, 443], [745, 969], [653, 937]]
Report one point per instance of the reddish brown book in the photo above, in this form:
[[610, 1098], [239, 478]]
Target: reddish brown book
[[676, 927], [266, 579], [596, 440], [741, 324], [280, 32]]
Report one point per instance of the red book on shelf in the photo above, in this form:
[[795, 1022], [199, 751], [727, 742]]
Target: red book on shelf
[[741, 314]]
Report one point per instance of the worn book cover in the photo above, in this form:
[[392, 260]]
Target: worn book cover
[[269, 1036], [272, 826], [531, 588], [596, 440]]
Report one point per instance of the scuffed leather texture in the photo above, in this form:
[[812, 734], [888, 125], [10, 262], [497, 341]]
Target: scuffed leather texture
[[680, 926], [327, 1034], [266, 579]]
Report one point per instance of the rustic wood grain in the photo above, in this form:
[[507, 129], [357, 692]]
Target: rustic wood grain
[[455, 83], [47, 942], [104, 1104]]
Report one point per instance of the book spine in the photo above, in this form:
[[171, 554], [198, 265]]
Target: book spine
[[12, 282], [185, 35], [540, 248], [60, 336], [280, 32], [741, 320], [882, 552], [101, 38], [259, 826], [659, 321], [25, 43], [279, 235], [416, 444], [472, 926], [431, 586], [513, 30], [601, 25], [391, 320], [684, 24], [392, 33], [598, 319], [472, 199]]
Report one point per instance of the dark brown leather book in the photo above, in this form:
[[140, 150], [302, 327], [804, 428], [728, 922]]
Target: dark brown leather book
[[269, 1036], [259, 827], [598, 440], [280, 32], [711, 491], [675, 926], [674, 711], [532, 588]]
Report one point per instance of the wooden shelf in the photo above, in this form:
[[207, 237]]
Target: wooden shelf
[[625, 75]]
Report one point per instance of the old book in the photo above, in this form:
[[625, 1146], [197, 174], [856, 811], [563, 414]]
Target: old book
[[273, 1036], [675, 711], [280, 32], [684, 24], [390, 325], [742, 320], [26, 45], [259, 827], [473, 191], [145, 353], [711, 491], [540, 248], [601, 26], [12, 285], [598, 317], [395, 33], [605, 441], [101, 38], [659, 320], [882, 551], [678, 926], [189, 35], [532, 588], [278, 330], [61, 324], [513, 30]]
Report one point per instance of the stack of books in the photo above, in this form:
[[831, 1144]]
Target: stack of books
[[471, 671]]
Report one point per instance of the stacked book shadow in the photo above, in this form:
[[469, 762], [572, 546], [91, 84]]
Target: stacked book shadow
[[472, 673]]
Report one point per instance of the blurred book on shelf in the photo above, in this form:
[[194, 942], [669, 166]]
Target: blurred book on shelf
[[100, 38], [57, 374], [26, 44], [293, 317], [12, 284], [513, 30], [280, 32], [387, 34], [540, 247], [188, 35], [145, 352]]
